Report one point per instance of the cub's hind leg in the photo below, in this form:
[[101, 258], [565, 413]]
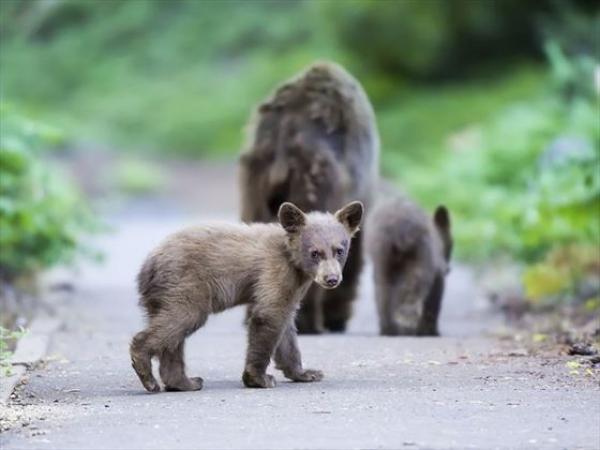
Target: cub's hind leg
[[172, 371], [428, 324], [170, 330], [141, 361]]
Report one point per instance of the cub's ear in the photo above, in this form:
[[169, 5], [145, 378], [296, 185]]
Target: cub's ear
[[291, 218], [441, 219], [350, 216]]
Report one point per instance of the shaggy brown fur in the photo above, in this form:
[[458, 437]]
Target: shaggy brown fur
[[410, 254], [314, 142], [208, 269]]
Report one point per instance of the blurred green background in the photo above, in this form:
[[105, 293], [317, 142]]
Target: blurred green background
[[490, 107]]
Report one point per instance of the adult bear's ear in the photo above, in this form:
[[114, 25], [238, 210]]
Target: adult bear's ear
[[441, 219], [350, 216], [291, 218]]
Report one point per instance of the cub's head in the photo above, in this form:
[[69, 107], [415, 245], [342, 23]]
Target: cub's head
[[319, 242]]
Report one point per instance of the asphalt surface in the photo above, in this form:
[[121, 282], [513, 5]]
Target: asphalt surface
[[463, 390]]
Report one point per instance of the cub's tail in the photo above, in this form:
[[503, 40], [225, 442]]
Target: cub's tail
[[150, 298]]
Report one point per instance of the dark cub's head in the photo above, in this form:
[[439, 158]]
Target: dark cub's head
[[319, 242]]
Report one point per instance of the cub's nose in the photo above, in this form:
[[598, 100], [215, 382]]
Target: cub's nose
[[332, 280]]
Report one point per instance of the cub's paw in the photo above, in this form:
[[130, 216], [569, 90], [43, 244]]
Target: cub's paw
[[307, 376], [188, 384], [258, 381], [151, 385]]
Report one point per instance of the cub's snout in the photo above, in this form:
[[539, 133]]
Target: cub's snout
[[332, 281], [329, 274]]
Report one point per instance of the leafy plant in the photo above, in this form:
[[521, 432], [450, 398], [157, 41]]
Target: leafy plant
[[167, 76], [7, 340], [524, 183], [138, 177], [565, 272], [436, 38], [41, 214], [182, 77]]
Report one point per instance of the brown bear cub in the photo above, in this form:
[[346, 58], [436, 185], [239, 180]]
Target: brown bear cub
[[205, 270], [410, 254], [314, 143]]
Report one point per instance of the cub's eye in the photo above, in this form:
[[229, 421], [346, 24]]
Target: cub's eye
[[339, 251], [315, 255]]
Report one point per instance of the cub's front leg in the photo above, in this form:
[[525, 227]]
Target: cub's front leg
[[289, 360], [265, 327]]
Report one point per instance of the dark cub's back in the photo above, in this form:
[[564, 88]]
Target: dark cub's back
[[410, 253]]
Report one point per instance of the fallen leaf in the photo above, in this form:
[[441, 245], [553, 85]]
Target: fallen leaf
[[573, 364]]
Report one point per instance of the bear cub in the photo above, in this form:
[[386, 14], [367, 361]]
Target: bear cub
[[204, 270], [410, 253]]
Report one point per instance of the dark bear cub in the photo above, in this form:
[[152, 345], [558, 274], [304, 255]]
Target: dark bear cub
[[314, 143], [411, 254], [205, 270]]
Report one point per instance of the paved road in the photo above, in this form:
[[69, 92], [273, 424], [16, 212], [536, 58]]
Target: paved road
[[463, 390]]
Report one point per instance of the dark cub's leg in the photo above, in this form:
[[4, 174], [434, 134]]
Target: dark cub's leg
[[391, 291], [388, 324], [337, 303], [428, 324]]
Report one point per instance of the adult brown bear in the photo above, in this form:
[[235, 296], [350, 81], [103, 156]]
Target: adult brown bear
[[313, 142]]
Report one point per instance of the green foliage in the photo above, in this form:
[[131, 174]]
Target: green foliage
[[522, 182], [7, 340], [417, 124], [559, 274], [571, 45], [135, 177], [180, 76], [41, 216], [436, 38], [501, 197]]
